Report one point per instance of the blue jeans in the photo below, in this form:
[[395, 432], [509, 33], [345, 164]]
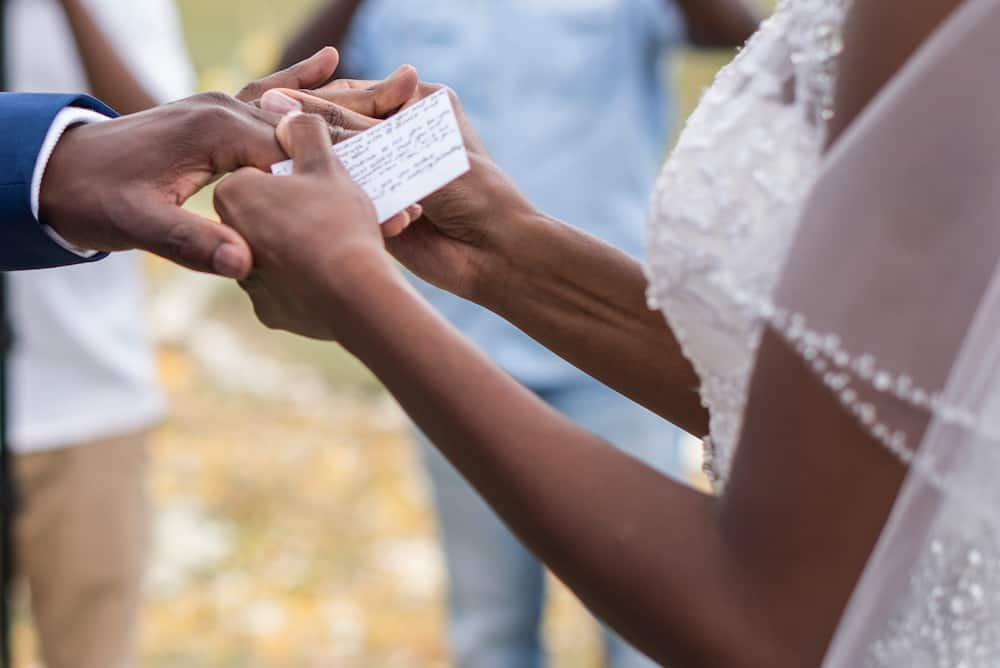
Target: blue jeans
[[497, 588]]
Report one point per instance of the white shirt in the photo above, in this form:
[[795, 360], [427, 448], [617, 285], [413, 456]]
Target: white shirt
[[83, 367]]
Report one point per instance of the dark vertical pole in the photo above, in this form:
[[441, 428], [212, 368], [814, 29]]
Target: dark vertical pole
[[8, 495]]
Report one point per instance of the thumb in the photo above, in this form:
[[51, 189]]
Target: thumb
[[195, 242], [398, 89], [306, 140], [375, 99], [312, 72], [354, 104]]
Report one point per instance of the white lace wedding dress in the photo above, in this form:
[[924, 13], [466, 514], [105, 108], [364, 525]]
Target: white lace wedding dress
[[724, 216], [729, 199]]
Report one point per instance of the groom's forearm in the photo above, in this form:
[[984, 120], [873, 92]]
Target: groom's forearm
[[586, 301], [328, 27]]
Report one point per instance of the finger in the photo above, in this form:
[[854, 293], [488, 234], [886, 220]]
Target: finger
[[306, 140], [232, 134], [375, 99], [281, 104], [334, 114], [398, 223], [264, 304], [238, 200], [408, 246], [338, 134], [258, 113], [395, 225], [310, 73], [346, 84], [277, 102], [395, 91], [194, 242], [235, 191]]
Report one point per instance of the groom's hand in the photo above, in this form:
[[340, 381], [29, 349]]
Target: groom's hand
[[120, 184]]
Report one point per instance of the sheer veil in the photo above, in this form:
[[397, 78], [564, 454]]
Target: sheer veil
[[892, 294]]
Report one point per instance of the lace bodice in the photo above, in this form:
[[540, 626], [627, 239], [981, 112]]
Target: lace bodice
[[728, 201]]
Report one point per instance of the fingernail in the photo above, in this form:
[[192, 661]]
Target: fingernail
[[401, 69], [325, 52], [278, 103], [230, 261]]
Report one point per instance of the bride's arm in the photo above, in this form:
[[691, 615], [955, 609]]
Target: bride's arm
[[579, 297], [662, 575], [574, 294], [755, 578], [582, 298], [629, 541], [586, 301], [691, 579]]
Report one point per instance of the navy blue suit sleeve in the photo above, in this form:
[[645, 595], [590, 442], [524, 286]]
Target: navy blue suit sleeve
[[26, 119]]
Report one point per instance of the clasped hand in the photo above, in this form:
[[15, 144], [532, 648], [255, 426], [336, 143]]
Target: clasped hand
[[305, 247], [319, 254], [120, 184]]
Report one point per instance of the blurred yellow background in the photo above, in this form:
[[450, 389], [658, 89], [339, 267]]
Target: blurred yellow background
[[293, 525]]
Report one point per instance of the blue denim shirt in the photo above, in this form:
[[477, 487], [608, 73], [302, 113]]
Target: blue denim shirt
[[569, 97]]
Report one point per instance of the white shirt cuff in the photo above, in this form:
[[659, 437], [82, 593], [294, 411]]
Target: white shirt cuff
[[63, 121]]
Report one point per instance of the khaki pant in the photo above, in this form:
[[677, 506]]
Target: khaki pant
[[81, 539]]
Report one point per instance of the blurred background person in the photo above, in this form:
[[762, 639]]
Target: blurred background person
[[84, 389], [572, 101]]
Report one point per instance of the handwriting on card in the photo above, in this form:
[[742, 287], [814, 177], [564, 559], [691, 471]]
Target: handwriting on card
[[405, 158]]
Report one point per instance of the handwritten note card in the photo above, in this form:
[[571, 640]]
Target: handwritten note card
[[405, 158]]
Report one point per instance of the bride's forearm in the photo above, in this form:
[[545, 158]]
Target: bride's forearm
[[628, 540], [585, 300]]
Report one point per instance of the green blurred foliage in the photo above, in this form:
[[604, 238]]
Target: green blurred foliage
[[232, 42]]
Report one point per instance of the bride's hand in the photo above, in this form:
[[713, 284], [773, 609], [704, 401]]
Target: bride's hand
[[465, 225], [316, 243]]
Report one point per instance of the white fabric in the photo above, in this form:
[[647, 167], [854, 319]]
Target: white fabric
[[728, 202], [83, 367], [63, 121]]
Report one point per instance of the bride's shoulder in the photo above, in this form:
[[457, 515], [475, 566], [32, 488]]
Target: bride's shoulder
[[879, 38]]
